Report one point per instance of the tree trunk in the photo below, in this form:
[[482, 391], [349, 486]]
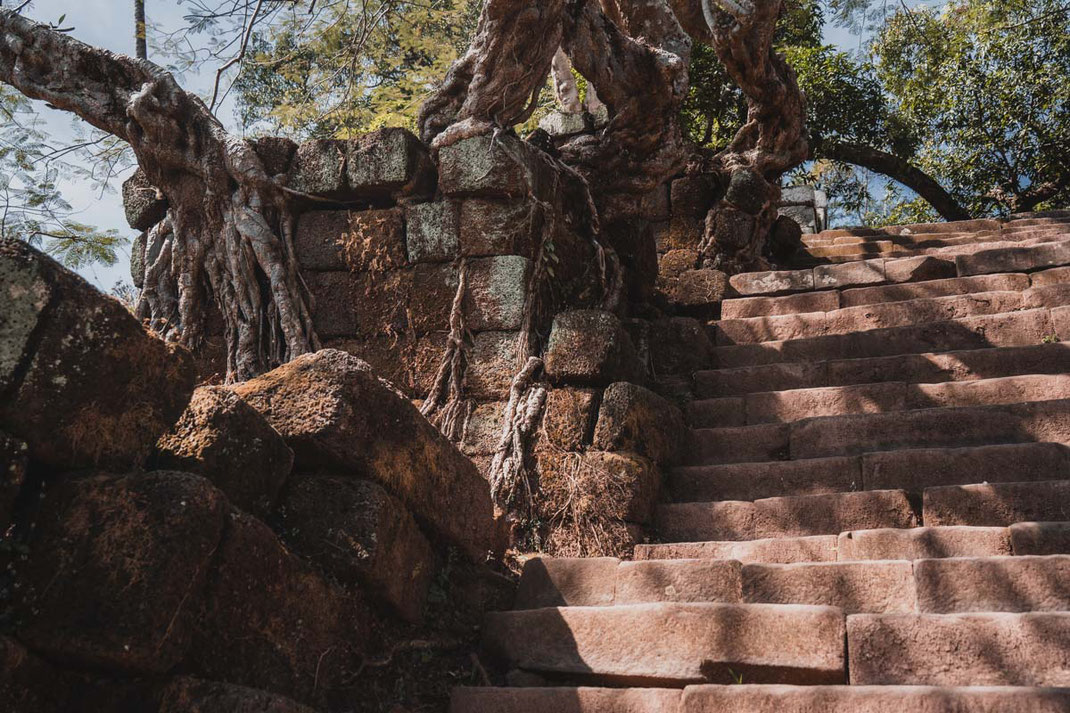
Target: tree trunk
[[140, 34], [899, 169], [229, 229]]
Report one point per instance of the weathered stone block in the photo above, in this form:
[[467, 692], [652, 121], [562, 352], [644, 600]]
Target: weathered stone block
[[590, 347], [319, 168], [635, 419], [360, 303], [117, 569], [748, 191], [433, 231], [679, 345], [492, 364], [340, 240], [496, 292], [360, 535], [596, 486], [693, 196], [434, 290], [390, 356], [334, 413], [427, 359], [655, 205], [569, 417], [680, 233], [276, 152], [389, 161], [270, 621], [695, 288], [495, 227], [225, 440], [567, 582], [502, 167], [144, 204], [14, 460], [674, 263], [484, 429], [68, 414]]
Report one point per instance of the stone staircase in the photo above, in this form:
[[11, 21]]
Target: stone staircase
[[874, 515]]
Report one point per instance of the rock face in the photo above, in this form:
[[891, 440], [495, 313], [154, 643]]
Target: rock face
[[58, 335], [228, 442], [335, 414], [118, 568]]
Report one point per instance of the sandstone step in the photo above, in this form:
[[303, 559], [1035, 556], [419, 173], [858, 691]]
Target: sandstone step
[[997, 504], [797, 404], [934, 288], [856, 587], [800, 303], [673, 644], [960, 649], [781, 550], [858, 699], [912, 470], [852, 273], [1021, 328], [738, 445], [1014, 259], [989, 584], [790, 516], [1040, 538], [952, 366], [565, 700], [923, 543], [605, 581]]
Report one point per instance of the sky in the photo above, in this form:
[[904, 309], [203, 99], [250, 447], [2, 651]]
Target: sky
[[109, 24]]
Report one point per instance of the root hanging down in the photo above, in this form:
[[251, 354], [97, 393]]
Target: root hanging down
[[508, 470], [446, 406]]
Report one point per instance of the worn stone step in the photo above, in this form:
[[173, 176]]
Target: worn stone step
[[800, 303], [976, 649], [997, 504], [1040, 538], [860, 699], [952, 366], [1007, 282], [1028, 258], [565, 700], [923, 543], [797, 404], [855, 587], [790, 516], [990, 584], [606, 581], [671, 644], [852, 273], [755, 330], [912, 470], [1013, 329], [779, 550], [738, 445]]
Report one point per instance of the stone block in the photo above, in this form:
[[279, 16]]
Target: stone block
[[97, 388], [695, 288], [849, 274], [334, 413], [772, 283], [693, 196], [567, 582], [434, 290], [184, 694], [655, 205], [569, 417], [923, 542], [496, 292], [632, 418], [368, 304], [492, 364], [390, 356], [674, 263], [855, 587], [433, 231], [1040, 538], [117, 569], [144, 204], [341, 240], [780, 550], [319, 168], [359, 534], [565, 700], [225, 440], [993, 584], [679, 580], [137, 260], [270, 621], [276, 152], [389, 161], [496, 227], [680, 233], [922, 268], [484, 429], [621, 487], [590, 347], [679, 345], [501, 167]]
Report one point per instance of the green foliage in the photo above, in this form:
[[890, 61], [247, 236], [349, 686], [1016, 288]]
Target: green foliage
[[987, 84], [31, 206]]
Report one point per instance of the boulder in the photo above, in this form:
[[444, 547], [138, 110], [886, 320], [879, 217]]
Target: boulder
[[14, 460], [117, 568], [343, 240], [334, 413], [636, 419], [360, 535], [144, 204], [184, 694], [228, 442], [590, 347], [93, 386], [270, 621], [390, 162]]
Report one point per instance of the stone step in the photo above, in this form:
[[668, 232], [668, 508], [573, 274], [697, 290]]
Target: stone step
[[672, 644], [912, 470], [756, 330], [853, 273], [988, 584], [997, 504], [796, 404], [923, 543], [565, 700], [1014, 259], [1012, 329], [789, 516], [1040, 538], [857, 434], [851, 699], [856, 587], [778, 550], [922, 244], [947, 252], [953, 366], [986, 649]]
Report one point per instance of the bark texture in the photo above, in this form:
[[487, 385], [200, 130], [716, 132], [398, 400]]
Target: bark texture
[[228, 233]]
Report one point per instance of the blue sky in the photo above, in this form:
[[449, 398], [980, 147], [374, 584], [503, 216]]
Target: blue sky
[[109, 24]]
